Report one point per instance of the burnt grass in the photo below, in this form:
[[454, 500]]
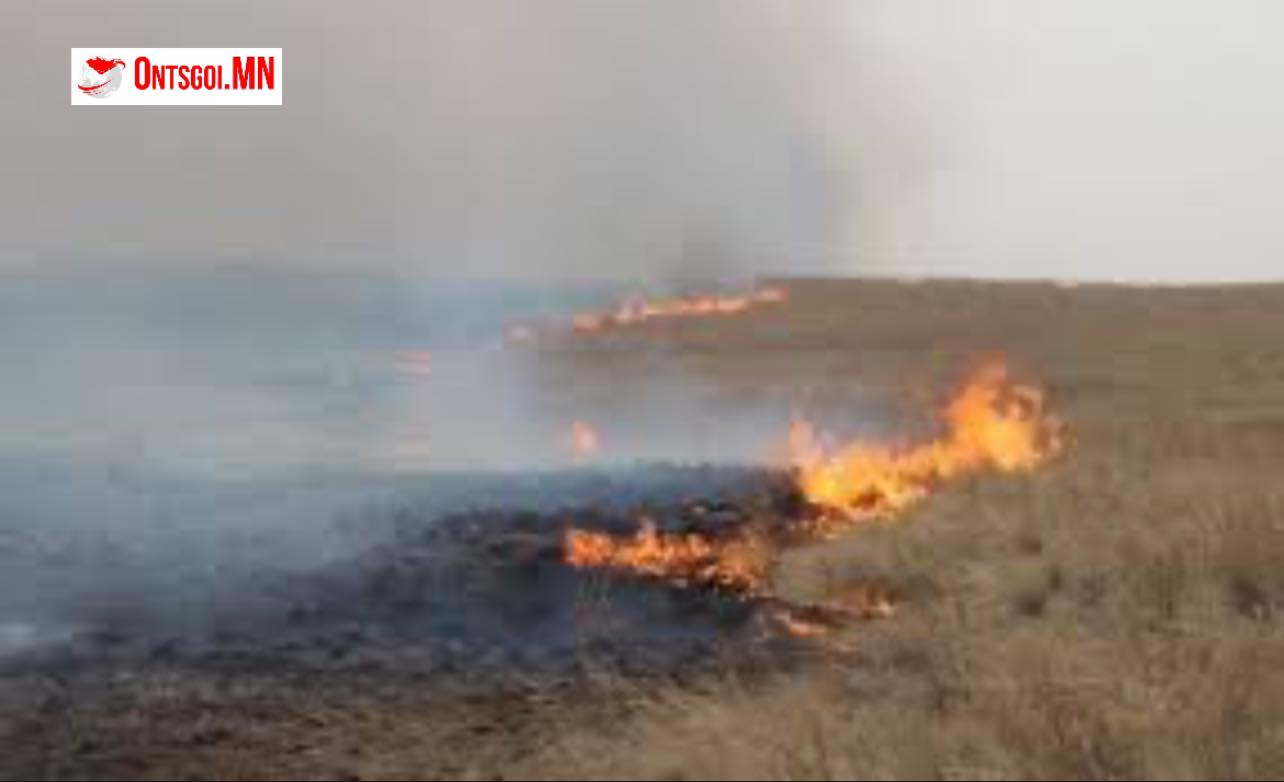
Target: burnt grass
[[1119, 614], [480, 592]]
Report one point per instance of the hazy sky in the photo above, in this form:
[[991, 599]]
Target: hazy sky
[[652, 138], [1134, 138]]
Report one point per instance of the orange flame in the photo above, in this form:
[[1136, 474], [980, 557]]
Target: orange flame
[[586, 443], [991, 423], [636, 311], [680, 559], [812, 620]]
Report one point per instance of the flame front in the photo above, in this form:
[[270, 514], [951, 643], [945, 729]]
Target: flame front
[[586, 443], [990, 424], [635, 311], [681, 559]]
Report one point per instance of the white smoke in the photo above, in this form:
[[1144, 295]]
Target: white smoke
[[1065, 139]]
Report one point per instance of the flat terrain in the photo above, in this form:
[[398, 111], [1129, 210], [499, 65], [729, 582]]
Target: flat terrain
[[1117, 614]]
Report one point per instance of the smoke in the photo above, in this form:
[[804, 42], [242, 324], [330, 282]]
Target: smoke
[[645, 140], [209, 304], [182, 417], [576, 139], [1051, 138]]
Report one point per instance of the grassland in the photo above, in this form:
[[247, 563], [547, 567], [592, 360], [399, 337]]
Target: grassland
[[1118, 614]]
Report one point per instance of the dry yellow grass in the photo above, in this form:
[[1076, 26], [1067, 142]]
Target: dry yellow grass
[[1119, 614]]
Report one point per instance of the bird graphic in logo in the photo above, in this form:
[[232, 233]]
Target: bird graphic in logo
[[100, 77]]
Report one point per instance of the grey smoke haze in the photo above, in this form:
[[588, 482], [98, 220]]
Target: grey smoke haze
[[498, 138], [1131, 140], [645, 138]]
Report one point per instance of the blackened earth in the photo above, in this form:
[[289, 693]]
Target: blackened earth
[[482, 588]]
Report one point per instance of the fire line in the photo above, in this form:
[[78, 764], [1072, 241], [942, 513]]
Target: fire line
[[990, 424]]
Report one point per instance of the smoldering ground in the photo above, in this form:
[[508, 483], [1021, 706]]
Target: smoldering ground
[[585, 140], [164, 404], [183, 485]]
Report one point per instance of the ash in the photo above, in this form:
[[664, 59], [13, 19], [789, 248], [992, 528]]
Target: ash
[[474, 583]]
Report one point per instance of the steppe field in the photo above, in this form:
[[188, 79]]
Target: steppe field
[[1117, 612]]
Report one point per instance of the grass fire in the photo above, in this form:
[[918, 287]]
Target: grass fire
[[643, 390], [637, 311], [990, 423], [1061, 563], [634, 312], [585, 441]]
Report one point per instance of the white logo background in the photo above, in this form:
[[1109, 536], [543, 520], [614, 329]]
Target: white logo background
[[121, 91]]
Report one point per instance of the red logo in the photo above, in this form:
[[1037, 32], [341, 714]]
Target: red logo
[[100, 77]]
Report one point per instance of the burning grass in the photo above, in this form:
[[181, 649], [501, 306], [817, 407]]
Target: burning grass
[[990, 423], [585, 441], [682, 559], [637, 311], [1113, 615]]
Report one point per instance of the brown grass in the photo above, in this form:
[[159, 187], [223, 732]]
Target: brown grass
[[1119, 614]]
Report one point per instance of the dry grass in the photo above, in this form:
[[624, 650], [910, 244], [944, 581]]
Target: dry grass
[[169, 725], [1117, 615]]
